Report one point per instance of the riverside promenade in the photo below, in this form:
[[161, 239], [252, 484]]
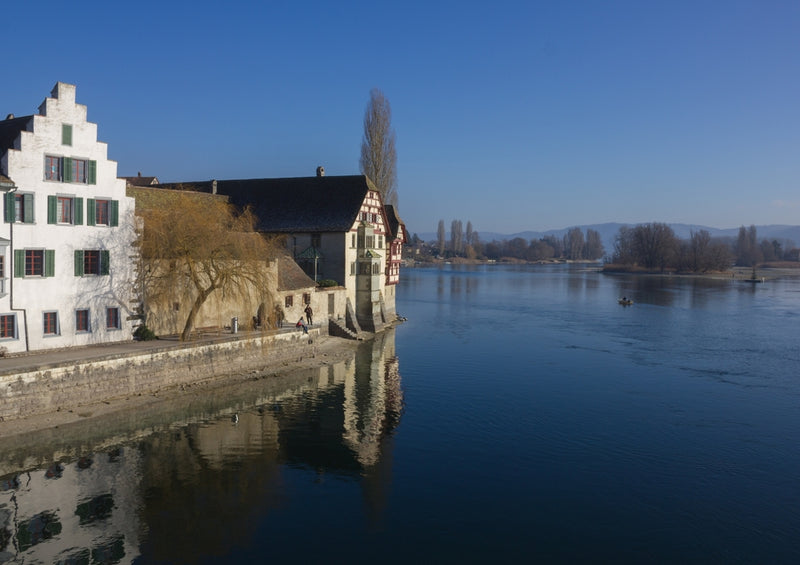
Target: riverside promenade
[[51, 388]]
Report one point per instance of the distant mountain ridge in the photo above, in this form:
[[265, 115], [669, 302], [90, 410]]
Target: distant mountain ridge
[[609, 231]]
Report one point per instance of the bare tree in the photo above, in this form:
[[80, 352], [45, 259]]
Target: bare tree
[[456, 237], [593, 248], [194, 245], [441, 237], [573, 244], [378, 153]]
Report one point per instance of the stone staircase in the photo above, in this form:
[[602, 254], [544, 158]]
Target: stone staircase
[[338, 329]]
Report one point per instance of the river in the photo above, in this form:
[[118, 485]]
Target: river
[[520, 413]]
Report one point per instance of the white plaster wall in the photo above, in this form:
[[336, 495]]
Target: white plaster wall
[[65, 292]]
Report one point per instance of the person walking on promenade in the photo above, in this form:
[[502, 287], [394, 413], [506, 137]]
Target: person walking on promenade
[[309, 313]]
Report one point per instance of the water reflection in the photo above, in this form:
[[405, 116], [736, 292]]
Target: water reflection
[[191, 481]]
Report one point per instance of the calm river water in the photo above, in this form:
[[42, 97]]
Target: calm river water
[[519, 414]]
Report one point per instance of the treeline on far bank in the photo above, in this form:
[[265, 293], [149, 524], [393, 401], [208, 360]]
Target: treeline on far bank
[[655, 247], [574, 246]]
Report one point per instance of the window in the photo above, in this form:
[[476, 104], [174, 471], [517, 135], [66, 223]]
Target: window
[[34, 263], [306, 298], [316, 239], [50, 323], [52, 168], [353, 268], [353, 240], [66, 134], [82, 320], [380, 242], [80, 170], [2, 272], [64, 210], [102, 212], [91, 262], [112, 319], [8, 326], [19, 207], [289, 302], [67, 169]]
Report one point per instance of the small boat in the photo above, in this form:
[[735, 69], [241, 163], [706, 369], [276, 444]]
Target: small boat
[[625, 301]]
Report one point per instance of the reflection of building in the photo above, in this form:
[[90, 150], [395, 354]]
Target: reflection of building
[[76, 513], [198, 486]]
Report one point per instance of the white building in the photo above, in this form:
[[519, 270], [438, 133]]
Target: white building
[[66, 255]]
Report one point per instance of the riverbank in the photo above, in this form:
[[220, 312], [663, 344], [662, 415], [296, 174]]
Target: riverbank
[[317, 351], [762, 274]]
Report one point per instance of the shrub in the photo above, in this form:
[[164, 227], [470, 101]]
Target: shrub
[[327, 282], [143, 333]]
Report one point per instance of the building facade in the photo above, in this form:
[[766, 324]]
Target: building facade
[[334, 227], [66, 253]]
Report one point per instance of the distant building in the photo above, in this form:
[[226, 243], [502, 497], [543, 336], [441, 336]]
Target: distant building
[[66, 268], [139, 180], [335, 227]]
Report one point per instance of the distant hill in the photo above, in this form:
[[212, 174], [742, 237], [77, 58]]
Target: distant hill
[[609, 231]]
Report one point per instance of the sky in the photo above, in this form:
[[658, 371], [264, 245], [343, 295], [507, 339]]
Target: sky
[[513, 116]]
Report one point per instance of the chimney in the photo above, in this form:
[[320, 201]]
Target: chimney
[[140, 174], [320, 171], [10, 117], [213, 187]]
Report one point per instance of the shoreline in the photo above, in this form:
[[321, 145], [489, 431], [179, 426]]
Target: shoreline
[[328, 350]]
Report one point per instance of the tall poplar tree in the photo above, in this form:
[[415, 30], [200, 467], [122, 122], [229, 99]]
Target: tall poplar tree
[[378, 153]]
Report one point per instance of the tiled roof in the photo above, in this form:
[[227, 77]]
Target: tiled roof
[[9, 131], [141, 181], [394, 221], [6, 182], [295, 205], [291, 276]]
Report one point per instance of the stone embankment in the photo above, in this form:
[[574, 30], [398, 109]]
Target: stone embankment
[[50, 388]]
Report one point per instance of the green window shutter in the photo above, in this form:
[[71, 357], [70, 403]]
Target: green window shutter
[[66, 169], [49, 263], [114, 213], [77, 210], [51, 209], [104, 262], [66, 134], [19, 263], [10, 204], [79, 262], [92, 172], [91, 211], [27, 204]]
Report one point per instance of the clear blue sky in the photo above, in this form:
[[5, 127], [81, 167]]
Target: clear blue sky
[[512, 115]]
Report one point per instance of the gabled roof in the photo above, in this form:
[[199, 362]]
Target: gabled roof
[[141, 181], [294, 205], [9, 131], [394, 222]]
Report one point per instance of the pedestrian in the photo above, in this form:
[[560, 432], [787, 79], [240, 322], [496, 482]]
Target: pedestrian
[[309, 313], [279, 315], [301, 324]]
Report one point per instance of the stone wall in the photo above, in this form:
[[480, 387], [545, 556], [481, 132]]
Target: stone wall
[[54, 387]]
